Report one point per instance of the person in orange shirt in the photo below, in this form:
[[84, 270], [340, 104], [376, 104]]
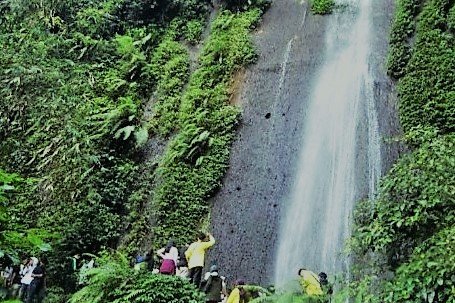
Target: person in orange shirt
[[195, 254]]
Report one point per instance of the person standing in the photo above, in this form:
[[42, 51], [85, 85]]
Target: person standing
[[37, 286], [16, 281], [182, 264], [214, 286], [195, 254], [27, 277], [170, 255]]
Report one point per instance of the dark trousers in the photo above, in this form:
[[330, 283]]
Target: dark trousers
[[23, 292], [35, 292], [195, 275]]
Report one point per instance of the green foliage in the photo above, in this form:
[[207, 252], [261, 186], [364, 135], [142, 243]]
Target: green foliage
[[416, 200], [428, 276], [297, 298], [243, 5], [193, 31], [76, 78], [196, 158], [56, 295], [322, 7], [426, 89], [408, 230], [143, 12], [14, 238], [402, 30], [114, 281], [170, 67]]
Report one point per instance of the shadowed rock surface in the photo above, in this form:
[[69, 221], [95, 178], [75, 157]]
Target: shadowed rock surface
[[246, 211]]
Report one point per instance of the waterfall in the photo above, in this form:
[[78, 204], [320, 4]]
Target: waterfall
[[339, 161]]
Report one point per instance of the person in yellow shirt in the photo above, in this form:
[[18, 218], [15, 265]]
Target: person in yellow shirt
[[310, 283], [238, 293], [195, 255]]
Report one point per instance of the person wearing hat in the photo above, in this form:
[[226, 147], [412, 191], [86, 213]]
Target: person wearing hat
[[214, 287], [238, 293], [309, 282]]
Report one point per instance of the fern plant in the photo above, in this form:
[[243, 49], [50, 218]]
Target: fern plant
[[114, 281]]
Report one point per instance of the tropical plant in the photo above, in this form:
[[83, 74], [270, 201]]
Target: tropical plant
[[114, 281]]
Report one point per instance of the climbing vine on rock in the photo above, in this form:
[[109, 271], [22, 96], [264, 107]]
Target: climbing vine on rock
[[196, 159]]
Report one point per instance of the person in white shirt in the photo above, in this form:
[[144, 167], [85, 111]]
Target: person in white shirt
[[27, 277]]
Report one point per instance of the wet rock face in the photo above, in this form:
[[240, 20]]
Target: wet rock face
[[246, 211]]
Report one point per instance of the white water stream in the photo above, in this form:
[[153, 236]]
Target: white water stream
[[340, 155]]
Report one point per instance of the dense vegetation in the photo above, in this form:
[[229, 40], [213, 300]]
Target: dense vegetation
[[14, 238], [114, 281], [114, 136], [406, 236], [110, 132], [322, 7]]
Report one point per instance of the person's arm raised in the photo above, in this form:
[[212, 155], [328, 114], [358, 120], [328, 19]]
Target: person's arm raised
[[210, 242]]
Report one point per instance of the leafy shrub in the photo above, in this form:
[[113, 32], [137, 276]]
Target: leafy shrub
[[14, 238], [143, 12], [193, 31], [402, 30], [322, 7], [170, 67], [114, 281], [415, 201], [428, 276], [56, 295], [426, 91], [70, 115]]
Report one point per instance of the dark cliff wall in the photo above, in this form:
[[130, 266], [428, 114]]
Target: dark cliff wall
[[273, 95]]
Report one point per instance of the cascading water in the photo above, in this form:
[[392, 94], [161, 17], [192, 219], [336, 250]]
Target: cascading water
[[340, 155]]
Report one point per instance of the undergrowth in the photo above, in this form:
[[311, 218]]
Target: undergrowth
[[114, 281]]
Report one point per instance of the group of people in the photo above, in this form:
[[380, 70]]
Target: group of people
[[25, 281], [189, 261]]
